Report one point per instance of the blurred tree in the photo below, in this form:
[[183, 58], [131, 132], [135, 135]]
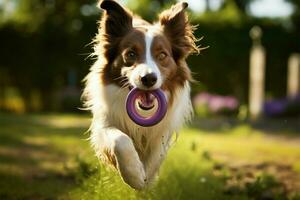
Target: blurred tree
[[164, 2], [242, 5], [148, 9], [296, 14], [43, 43], [207, 3]]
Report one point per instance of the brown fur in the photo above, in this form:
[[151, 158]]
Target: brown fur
[[115, 23], [175, 73], [109, 158], [179, 31], [117, 35]]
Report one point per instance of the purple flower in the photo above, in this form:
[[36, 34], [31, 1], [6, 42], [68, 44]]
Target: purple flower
[[274, 107], [215, 103], [279, 107]]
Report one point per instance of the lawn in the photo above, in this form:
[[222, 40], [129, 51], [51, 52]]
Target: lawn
[[49, 157]]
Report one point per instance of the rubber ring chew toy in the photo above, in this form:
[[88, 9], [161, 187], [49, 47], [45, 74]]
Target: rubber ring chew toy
[[148, 121]]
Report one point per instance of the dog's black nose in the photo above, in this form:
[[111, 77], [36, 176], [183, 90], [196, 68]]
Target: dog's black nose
[[149, 79]]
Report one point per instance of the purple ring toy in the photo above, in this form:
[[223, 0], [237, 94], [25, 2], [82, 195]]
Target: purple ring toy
[[134, 94]]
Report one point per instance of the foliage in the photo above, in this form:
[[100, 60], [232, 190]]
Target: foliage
[[286, 107], [296, 15], [206, 104], [223, 68], [43, 42], [149, 9]]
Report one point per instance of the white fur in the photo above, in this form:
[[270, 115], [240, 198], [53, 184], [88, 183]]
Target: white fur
[[148, 67]]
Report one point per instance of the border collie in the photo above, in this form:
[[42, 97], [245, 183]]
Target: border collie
[[128, 51]]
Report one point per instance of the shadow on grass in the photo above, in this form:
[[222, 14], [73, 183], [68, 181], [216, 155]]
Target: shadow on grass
[[48, 187], [34, 158], [287, 126]]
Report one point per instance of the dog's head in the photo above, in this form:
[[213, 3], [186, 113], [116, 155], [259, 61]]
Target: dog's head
[[145, 55]]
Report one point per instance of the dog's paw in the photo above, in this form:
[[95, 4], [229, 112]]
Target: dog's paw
[[128, 162], [134, 175]]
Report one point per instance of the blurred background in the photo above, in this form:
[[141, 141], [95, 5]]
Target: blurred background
[[45, 48], [244, 142]]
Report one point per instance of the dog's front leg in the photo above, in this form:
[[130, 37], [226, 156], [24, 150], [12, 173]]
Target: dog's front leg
[[154, 160], [127, 159], [157, 155]]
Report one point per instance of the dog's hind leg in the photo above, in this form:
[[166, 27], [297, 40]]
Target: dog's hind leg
[[126, 157]]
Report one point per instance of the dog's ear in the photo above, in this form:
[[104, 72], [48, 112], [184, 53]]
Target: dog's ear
[[176, 26], [116, 21]]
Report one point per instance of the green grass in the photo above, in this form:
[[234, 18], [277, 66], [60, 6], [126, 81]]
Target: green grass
[[49, 157]]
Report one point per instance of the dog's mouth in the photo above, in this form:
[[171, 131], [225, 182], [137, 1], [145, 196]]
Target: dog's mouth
[[146, 101]]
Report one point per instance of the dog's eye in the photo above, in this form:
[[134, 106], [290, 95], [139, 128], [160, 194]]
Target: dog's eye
[[131, 55], [129, 58], [162, 56]]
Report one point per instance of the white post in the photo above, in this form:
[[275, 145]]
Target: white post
[[257, 74], [293, 75]]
